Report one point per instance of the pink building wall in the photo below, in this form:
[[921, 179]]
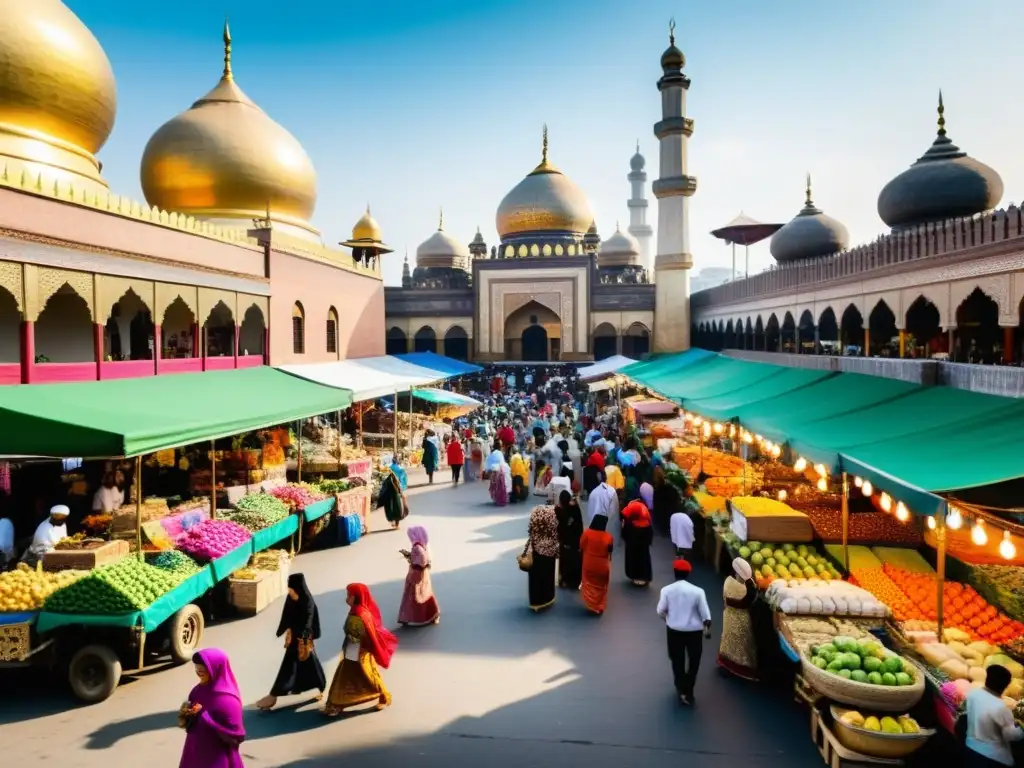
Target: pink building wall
[[357, 299]]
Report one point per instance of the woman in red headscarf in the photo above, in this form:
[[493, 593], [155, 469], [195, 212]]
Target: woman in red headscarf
[[368, 645], [638, 535]]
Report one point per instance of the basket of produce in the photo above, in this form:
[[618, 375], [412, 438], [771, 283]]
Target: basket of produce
[[886, 736], [24, 589], [81, 554], [258, 511], [1001, 585], [786, 561], [770, 520], [864, 674]]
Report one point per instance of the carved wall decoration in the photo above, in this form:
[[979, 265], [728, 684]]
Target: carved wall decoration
[[166, 293], [52, 280], [12, 279]]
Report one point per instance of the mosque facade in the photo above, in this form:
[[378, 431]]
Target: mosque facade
[[551, 288], [219, 267]]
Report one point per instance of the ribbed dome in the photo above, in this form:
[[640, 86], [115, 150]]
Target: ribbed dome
[[58, 98], [367, 228], [225, 158], [619, 250], [545, 201], [809, 235], [442, 250], [943, 184]]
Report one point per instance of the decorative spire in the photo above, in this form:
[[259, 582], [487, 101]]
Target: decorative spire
[[672, 31], [544, 147], [638, 146], [228, 74], [942, 119], [617, 226], [440, 220], [807, 193], [368, 208]]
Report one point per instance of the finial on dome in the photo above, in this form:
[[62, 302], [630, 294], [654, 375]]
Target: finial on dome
[[807, 192], [228, 74], [544, 146], [440, 220], [368, 209], [617, 226], [942, 119], [638, 146], [672, 31]]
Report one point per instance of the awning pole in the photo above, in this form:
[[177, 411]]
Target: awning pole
[[213, 480], [940, 568], [846, 522], [412, 435], [138, 508], [339, 443], [298, 461], [395, 444]]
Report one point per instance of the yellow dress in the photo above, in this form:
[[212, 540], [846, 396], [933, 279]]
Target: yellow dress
[[356, 682]]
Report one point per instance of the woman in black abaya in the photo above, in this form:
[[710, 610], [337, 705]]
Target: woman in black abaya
[[300, 624]]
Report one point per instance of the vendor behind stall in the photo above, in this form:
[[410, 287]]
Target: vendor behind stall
[[49, 532], [110, 495], [6, 542]]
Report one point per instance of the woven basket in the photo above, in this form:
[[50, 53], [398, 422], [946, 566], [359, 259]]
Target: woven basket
[[882, 698], [893, 746]]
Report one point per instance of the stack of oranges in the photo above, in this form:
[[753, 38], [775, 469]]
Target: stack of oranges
[[875, 581], [962, 607]]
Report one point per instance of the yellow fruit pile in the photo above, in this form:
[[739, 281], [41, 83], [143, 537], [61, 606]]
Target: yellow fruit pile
[[762, 506], [26, 590], [887, 724]]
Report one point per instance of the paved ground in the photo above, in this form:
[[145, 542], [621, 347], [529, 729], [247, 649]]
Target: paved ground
[[492, 684]]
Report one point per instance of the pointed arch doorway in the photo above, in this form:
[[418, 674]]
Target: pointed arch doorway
[[533, 333]]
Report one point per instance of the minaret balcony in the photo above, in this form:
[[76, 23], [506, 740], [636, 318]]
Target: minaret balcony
[[672, 126], [675, 186]]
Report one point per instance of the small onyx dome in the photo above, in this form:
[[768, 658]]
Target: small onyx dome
[[672, 58], [58, 98], [619, 250], [225, 158], [545, 201], [809, 235], [442, 250], [943, 184], [367, 228], [637, 162]]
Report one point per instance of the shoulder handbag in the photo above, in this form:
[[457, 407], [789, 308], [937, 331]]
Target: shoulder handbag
[[525, 560], [305, 648]]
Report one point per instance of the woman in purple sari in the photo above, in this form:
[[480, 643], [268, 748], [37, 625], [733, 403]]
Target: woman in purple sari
[[212, 716]]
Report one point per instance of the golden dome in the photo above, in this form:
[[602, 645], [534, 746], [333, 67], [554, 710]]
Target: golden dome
[[545, 201], [367, 228], [57, 94], [225, 158]]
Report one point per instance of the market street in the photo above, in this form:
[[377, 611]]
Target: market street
[[492, 684]]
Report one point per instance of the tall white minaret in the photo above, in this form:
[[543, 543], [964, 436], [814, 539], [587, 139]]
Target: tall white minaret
[[673, 190], [637, 203]]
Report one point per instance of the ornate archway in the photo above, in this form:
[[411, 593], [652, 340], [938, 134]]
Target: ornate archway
[[533, 315], [636, 341], [425, 340], [606, 342]]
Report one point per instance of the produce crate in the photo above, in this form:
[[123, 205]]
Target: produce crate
[[87, 558], [251, 596], [835, 754], [355, 501], [15, 641]]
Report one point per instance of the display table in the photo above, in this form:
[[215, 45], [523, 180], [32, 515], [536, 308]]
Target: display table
[[318, 509], [227, 564], [268, 537]]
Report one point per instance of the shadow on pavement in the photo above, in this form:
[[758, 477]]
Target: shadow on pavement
[[108, 735]]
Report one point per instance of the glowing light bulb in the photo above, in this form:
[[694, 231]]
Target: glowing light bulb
[[732, 431], [698, 421], [800, 464], [931, 522], [688, 417], [954, 520], [719, 429], [776, 451], [902, 513], [820, 469], [706, 429], [867, 488], [1006, 547], [885, 502], [978, 535], [783, 495], [858, 481], [759, 438], [748, 438], [822, 484]]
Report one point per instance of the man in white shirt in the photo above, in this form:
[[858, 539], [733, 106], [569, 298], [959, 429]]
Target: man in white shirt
[[108, 497], [48, 533], [684, 607], [681, 530], [990, 724], [603, 500]]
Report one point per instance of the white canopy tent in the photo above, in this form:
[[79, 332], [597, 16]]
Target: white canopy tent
[[367, 378], [605, 367]]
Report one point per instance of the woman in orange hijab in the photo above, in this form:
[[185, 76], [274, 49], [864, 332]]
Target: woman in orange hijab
[[596, 547], [367, 645], [638, 535]]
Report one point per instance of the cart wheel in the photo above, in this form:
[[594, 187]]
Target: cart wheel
[[94, 673], [186, 630]]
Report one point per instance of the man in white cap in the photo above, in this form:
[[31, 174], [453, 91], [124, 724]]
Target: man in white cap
[[50, 531]]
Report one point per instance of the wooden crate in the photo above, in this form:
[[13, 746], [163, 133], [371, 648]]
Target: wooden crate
[[251, 596], [835, 754], [85, 559]]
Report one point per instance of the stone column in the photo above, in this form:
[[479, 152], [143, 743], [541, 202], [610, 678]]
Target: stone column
[[28, 351], [158, 347], [97, 345], [1009, 338], [237, 334]]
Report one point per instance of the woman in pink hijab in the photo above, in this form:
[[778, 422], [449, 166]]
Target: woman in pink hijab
[[419, 606], [212, 716]]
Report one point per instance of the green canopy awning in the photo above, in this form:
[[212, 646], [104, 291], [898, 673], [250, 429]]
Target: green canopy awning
[[776, 419], [717, 377], [728, 406], [128, 417], [648, 369], [924, 410]]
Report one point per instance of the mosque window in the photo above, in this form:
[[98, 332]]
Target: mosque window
[[534, 250], [510, 251], [559, 250], [572, 250], [522, 251], [332, 331], [298, 329], [547, 250]]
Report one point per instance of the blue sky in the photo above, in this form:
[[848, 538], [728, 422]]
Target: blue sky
[[417, 105]]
